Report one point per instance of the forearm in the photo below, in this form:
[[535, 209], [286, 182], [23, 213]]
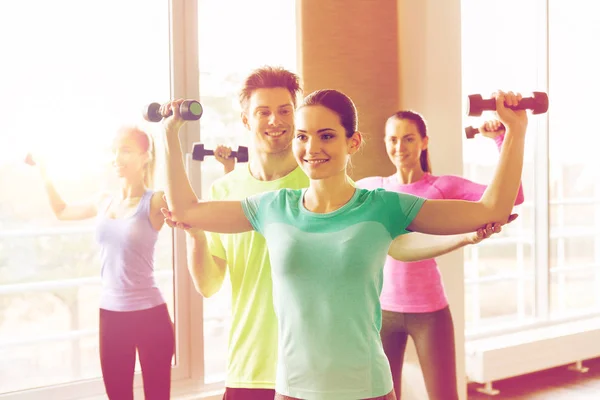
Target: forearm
[[520, 195], [418, 246], [179, 192], [56, 202], [500, 195], [206, 274]]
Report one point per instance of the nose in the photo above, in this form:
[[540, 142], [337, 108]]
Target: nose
[[312, 146], [273, 119], [400, 146]]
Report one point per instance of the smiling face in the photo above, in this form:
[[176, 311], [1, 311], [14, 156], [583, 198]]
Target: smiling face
[[321, 145], [130, 154], [404, 143], [270, 119]]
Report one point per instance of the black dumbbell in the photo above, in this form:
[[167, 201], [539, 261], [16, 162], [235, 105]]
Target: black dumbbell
[[190, 110], [471, 131], [538, 103], [199, 152]]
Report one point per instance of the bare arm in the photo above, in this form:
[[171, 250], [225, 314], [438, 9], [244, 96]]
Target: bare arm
[[213, 216], [207, 271], [419, 246], [448, 217], [64, 211]]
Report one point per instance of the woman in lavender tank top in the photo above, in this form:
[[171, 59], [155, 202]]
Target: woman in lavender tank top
[[133, 314], [413, 300]]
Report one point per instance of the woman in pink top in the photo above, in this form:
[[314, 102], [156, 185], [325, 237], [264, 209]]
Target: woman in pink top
[[413, 299]]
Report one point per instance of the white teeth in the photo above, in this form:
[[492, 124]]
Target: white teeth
[[275, 134], [315, 161]]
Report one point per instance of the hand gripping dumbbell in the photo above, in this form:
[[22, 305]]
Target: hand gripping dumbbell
[[199, 152], [190, 110], [476, 104], [471, 131]]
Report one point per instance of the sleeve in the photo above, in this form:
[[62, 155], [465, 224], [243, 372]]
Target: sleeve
[[256, 206], [215, 244], [370, 183], [400, 210], [458, 188]]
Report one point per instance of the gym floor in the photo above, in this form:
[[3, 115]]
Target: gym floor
[[554, 384]]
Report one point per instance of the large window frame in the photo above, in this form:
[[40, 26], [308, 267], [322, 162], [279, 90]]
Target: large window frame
[[188, 372], [540, 203]]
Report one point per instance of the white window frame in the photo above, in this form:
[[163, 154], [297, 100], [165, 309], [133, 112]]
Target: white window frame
[[542, 233], [188, 373]]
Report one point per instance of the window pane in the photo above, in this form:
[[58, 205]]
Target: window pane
[[498, 303], [574, 291], [71, 88], [512, 301], [574, 164], [261, 32]]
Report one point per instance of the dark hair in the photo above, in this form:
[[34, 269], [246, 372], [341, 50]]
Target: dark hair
[[270, 77], [337, 102], [418, 120]]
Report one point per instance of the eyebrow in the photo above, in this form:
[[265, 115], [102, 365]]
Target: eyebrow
[[281, 106], [319, 131]]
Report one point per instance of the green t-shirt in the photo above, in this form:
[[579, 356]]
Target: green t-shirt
[[252, 351], [327, 272]]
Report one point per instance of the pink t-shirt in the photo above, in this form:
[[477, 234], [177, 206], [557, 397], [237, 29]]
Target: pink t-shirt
[[416, 287]]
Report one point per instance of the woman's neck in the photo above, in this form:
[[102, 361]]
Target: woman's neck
[[409, 175], [327, 195], [132, 189]]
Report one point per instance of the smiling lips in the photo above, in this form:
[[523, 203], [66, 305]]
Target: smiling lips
[[275, 134], [315, 161]]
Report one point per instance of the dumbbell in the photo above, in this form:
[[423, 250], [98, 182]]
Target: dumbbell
[[190, 110], [538, 103], [471, 131], [199, 152]]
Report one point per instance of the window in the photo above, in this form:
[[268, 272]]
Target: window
[[546, 264], [500, 272], [261, 32], [72, 73], [574, 181]]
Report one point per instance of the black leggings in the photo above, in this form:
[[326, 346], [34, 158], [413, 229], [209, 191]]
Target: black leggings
[[433, 335], [151, 333]]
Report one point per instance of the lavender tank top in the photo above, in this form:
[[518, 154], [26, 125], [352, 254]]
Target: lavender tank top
[[127, 259]]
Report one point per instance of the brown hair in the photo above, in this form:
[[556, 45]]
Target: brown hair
[[270, 77], [337, 102], [418, 120]]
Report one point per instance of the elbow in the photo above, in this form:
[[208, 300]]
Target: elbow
[[498, 212], [180, 215], [205, 291]]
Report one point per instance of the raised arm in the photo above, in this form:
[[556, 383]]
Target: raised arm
[[62, 210], [448, 217], [213, 216]]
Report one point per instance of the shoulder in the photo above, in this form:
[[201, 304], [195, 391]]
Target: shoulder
[[371, 182], [157, 201], [226, 184], [281, 197], [445, 182]]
